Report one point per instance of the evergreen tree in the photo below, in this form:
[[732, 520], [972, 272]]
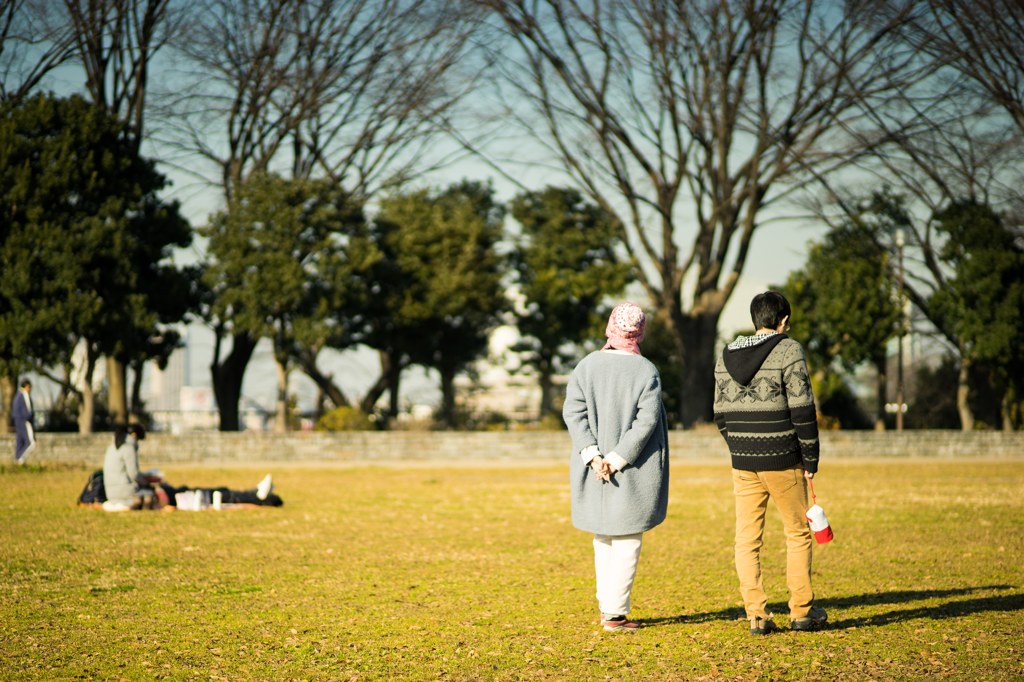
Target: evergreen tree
[[566, 267], [444, 246], [856, 299], [280, 266], [845, 308], [85, 238], [982, 304]]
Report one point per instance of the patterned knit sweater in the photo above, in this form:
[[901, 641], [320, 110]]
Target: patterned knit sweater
[[764, 406]]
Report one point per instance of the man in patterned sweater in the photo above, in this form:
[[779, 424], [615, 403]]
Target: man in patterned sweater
[[764, 408]]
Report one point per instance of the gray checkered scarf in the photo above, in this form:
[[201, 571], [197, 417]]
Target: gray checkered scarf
[[748, 341]]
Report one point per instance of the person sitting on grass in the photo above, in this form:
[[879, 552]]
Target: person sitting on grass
[[125, 488]]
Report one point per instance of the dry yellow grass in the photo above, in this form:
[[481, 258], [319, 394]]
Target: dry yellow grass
[[467, 572]]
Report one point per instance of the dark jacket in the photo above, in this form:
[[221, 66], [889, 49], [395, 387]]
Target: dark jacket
[[764, 406], [20, 413]]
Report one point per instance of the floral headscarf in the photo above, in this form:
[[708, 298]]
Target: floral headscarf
[[625, 328]]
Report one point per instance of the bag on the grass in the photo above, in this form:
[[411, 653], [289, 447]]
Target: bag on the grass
[[94, 492]]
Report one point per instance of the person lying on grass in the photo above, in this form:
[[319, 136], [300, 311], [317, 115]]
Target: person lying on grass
[[262, 495]]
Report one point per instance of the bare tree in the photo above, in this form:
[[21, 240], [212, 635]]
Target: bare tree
[[116, 41], [235, 105], [981, 39], [34, 40], [345, 89], [692, 122], [379, 91]]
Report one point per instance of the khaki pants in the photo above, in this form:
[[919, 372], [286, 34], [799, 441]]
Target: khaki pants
[[788, 489]]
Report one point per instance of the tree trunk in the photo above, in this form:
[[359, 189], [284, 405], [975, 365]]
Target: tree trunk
[[369, 401], [963, 392], [390, 374], [325, 382], [227, 378], [1008, 409], [881, 386], [88, 408], [281, 413], [135, 405], [546, 394], [67, 390], [700, 332], [447, 414], [8, 385], [394, 378], [320, 407], [117, 396]]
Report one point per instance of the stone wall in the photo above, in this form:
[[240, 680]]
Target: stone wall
[[312, 447]]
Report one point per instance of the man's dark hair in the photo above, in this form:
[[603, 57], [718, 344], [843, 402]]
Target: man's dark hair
[[25, 382], [768, 309]]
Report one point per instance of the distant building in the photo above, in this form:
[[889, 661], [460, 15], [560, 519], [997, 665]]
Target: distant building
[[501, 384]]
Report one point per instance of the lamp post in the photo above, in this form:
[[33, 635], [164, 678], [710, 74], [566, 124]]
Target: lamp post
[[900, 331]]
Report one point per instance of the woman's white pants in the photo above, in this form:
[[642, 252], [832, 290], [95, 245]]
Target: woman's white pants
[[615, 561]]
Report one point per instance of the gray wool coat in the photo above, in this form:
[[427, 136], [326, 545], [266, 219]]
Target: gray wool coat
[[121, 473], [613, 401]]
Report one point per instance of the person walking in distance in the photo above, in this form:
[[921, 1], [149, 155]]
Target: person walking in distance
[[619, 463], [23, 414], [764, 408]]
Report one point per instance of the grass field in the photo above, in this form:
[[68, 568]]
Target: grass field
[[435, 571]]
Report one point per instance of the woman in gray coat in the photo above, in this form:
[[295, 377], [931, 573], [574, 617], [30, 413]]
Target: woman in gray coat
[[619, 464], [121, 478]]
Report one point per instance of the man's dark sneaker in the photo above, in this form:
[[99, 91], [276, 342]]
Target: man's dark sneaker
[[763, 625], [619, 624], [814, 620]]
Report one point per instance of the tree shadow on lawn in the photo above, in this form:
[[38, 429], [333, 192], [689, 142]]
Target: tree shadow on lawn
[[951, 609], [690, 618]]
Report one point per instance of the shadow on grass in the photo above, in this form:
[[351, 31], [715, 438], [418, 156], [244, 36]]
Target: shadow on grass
[[901, 596], [693, 618], [951, 609]]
